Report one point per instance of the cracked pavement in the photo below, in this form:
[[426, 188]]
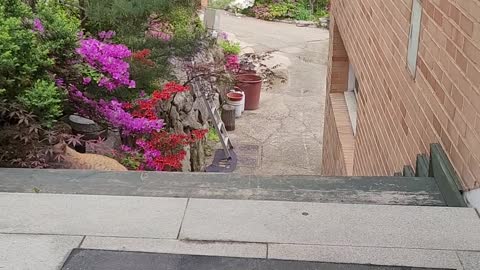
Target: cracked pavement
[[287, 130]]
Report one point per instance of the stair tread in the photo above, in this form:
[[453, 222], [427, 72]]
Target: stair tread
[[367, 190]]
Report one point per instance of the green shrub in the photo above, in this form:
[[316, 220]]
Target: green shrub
[[126, 17], [321, 13], [295, 9], [45, 100], [129, 19], [281, 10], [220, 4], [62, 29], [303, 13], [230, 47], [187, 30], [15, 8], [23, 59]]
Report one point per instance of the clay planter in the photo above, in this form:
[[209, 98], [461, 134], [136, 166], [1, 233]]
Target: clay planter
[[251, 85]]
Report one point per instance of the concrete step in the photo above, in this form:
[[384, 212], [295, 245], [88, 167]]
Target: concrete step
[[354, 190], [81, 259], [38, 231]]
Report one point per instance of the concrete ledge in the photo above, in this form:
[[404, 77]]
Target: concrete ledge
[[367, 255], [243, 250], [371, 190]]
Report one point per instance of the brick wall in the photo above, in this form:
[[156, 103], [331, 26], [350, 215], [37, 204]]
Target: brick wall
[[398, 116], [335, 163], [337, 79]]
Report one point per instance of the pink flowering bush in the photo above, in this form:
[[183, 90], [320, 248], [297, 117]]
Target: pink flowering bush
[[107, 59], [113, 113], [232, 63]]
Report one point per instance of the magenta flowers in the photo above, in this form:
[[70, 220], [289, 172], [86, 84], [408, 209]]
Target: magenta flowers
[[119, 118], [232, 63], [112, 111], [107, 59], [38, 26]]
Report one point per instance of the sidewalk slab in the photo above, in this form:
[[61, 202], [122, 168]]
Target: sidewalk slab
[[91, 215], [244, 250], [39, 252], [332, 224], [366, 255], [470, 260]]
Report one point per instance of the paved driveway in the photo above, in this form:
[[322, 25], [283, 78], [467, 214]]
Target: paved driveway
[[285, 135]]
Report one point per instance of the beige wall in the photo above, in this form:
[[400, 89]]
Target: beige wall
[[398, 116]]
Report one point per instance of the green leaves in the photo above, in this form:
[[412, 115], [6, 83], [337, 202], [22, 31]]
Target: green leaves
[[22, 57], [45, 100], [60, 37], [230, 47]]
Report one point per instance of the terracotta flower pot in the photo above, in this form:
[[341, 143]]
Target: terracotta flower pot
[[251, 85]]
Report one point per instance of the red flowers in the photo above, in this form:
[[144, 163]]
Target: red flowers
[[147, 107], [170, 89], [143, 57], [199, 134], [171, 146], [162, 150]]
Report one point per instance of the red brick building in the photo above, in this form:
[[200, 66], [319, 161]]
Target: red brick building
[[403, 74]]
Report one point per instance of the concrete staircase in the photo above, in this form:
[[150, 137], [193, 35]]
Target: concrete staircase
[[421, 191]]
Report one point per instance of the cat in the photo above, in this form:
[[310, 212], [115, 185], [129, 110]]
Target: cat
[[75, 160]]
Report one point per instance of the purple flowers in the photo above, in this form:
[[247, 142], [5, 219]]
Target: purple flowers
[[113, 112], [150, 154], [106, 35], [86, 80], [60, 83], [223, 36], [119, 118], [126, 148], [38, 26], [107, 59]]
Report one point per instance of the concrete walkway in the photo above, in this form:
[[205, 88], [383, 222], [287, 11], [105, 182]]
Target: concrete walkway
[[38, 231], [283, 137]]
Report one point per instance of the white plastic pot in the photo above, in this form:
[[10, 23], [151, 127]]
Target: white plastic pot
[[238, 107]]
